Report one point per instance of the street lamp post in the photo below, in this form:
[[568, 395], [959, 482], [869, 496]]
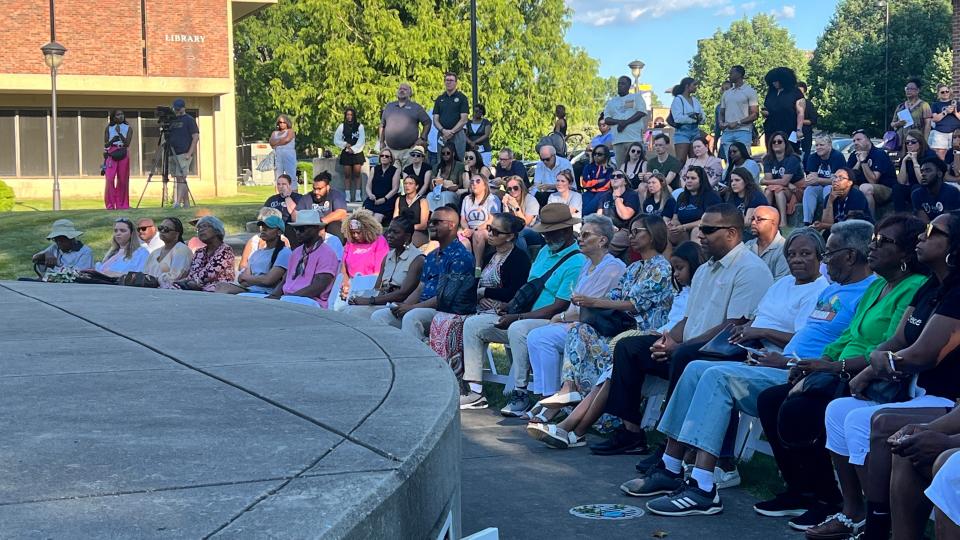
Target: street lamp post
[[885, 4], [636, 68], [53, 56], [474, 56]]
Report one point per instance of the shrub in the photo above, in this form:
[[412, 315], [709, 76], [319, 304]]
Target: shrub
[[307, 168], [6, 197]]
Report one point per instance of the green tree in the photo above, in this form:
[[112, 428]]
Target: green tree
[[847, 72], [313, 58], [758, 44]]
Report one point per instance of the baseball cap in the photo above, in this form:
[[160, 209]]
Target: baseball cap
[[272, 222], [179, 103]]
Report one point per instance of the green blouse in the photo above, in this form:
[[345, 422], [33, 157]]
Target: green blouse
[[876, 319]]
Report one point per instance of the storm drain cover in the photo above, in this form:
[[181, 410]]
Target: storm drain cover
[[606, 511]]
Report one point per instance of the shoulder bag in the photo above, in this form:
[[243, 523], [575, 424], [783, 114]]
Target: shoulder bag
[[527, 294], [457, 294], [607, 322]]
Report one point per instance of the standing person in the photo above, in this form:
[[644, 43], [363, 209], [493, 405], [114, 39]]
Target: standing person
[[382, 187], [184, 137], [283, 140], [628, 112], [116, 143], [596, 179], [717, 130], [149, 237], [662, 162], [450, 114], [330, 203], [945, 119], [687, 116], [783, 107], [739, 109], [433, 145], [350, 138], [399, 123], [934, 197], [783, 173], [919, 111], [560, 120], [810, 118], [419, 171], [873, 172], [478, 133], [820, 166]]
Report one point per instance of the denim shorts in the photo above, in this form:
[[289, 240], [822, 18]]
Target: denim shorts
[[686, 133], [940, 140]]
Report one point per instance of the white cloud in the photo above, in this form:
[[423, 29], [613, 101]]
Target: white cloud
[[606, 12], [785, 12], [726, 11], [747, 6]]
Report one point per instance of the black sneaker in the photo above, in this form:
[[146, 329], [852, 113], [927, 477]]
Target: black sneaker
[[622, 441], [784, 504], [815, 515], [652, 459], [688, 500], [656, 481]]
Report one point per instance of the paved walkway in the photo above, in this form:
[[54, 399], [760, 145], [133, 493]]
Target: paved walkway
[[526, 490]]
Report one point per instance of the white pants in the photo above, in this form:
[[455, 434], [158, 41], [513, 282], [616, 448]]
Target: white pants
[[848, 423], [944, 491], [545, 348], [416, 322]]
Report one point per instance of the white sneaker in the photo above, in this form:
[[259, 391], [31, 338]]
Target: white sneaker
[[356, 196], [724, 479]]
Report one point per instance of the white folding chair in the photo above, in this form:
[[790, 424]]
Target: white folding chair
[[490, 373], [748, 439]]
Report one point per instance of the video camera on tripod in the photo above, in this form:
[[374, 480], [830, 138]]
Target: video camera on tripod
[[165, 116]]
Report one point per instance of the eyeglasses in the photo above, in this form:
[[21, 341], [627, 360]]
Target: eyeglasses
[[495, 232], [636, 231], [931, 230], [756, 218], [513, 188], [144, 229], [879, 240], [829, 255], [164, 229], [710, 229]]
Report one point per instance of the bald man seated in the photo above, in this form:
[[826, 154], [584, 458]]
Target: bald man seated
[[768, 242]]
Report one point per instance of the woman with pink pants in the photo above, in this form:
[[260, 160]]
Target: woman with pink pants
[[116, 141]]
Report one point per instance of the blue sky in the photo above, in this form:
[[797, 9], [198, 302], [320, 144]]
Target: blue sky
[[663, 34]]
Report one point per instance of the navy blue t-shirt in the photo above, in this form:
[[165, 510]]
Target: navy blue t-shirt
[[608, 208], [879, 162], [824, 168], [947, 200], [695, 205], [181, 133], [855, 201], [780, 168], [650, 206], [756, 199], [949, 123]]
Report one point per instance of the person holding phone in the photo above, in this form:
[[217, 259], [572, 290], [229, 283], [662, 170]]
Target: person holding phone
[[945, 119]]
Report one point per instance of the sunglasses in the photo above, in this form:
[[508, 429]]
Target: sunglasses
[[513, 188], [710, 229], [495, 232], [302, 228], [913, 141], [416, 154], [617, 175], [144, 229], [635, 151], [931, 230], [386, 156], [778, 141], [470, 158], [879, 240], [164, 229], [599, 154]]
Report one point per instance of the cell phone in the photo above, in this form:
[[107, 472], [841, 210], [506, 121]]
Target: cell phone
[[751, 350]]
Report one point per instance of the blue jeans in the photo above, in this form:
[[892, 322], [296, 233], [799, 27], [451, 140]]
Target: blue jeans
[[812, 195], [699, 410], [731, 136], [686, 133]]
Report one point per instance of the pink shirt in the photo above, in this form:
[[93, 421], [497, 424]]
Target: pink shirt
[[322, 260], [365, 259]]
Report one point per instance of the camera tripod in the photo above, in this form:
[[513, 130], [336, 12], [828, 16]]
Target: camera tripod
[[161, 164]]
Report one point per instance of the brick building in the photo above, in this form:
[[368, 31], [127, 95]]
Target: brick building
[[134, 55]]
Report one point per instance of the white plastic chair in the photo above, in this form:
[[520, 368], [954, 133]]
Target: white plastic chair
[[490, 373], [490, 533], [748, 439]]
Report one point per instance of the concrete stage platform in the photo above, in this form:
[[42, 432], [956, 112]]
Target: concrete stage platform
[[138, 413]]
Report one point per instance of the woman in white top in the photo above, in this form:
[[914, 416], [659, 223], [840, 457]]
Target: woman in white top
[[283, 140], [567, 196], [172, 261], [687, 116], [476, 213], [125, 254], [350, 138], [116, 165]]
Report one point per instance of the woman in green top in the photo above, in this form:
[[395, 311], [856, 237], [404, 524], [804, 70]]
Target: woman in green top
[[893, 257]]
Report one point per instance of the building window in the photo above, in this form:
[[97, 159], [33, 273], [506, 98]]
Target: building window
[[25, 147]]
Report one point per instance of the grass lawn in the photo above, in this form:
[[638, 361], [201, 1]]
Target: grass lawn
[[25, 229]]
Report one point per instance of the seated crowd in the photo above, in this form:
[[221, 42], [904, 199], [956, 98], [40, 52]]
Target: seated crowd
[[839, 337]]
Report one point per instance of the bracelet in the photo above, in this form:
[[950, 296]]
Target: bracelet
[[563, 317]]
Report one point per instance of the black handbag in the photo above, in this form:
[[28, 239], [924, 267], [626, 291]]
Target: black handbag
[[884, 391], [118, 153], [139, 279], [457, 294], [528, 293], [607, 322], [720, 346]]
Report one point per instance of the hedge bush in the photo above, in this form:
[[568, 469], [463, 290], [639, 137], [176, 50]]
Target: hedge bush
[[6, 197]]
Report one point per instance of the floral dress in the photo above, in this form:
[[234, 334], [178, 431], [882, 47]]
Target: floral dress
[[446, 329], [647, 285], [208, 270]]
